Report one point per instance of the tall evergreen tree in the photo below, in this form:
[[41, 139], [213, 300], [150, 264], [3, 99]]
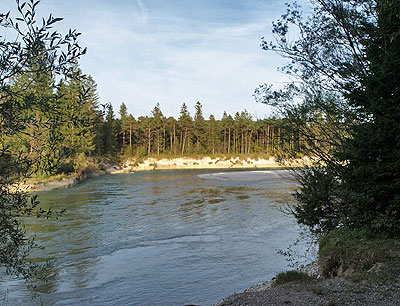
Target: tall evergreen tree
[[158, 125], [131, 122], [78, 99], [123, 112], [199, 129], [172, 127], [110, 131], [212, 135], [41, 136], [185, 122]]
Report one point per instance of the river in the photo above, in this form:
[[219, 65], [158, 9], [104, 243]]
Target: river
[[160, 238]]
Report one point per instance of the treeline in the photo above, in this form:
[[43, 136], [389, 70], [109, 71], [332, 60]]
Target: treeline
[[161, 135], [70, 125]]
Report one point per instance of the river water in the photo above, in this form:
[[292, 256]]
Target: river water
[[160, 238]]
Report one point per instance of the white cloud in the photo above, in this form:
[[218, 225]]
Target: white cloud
[[171, 58], [223, 80], [144, 10]]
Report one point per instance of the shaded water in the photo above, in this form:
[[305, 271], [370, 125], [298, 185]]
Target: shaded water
[[161, 238]]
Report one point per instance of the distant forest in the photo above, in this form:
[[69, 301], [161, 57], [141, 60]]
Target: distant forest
[[157, 134], [72, 126]]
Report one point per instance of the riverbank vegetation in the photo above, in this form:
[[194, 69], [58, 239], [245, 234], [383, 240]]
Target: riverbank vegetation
[[30, 116], [348, 72], [353, 270], [345, 62]]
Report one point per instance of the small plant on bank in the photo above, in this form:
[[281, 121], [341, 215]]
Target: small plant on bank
[[291, 276], [154, 165], [317, 291]]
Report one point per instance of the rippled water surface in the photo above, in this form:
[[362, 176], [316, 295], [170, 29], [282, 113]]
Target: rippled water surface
[[161, 238]]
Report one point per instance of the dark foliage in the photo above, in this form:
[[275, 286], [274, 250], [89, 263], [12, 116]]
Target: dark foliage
[[346, 60]]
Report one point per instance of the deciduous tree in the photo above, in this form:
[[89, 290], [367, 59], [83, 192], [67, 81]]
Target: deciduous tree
[[31, 47], [346, 59]]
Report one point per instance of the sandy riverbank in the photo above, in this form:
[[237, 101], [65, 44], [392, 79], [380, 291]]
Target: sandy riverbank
[[132, 165], [65, 182], [206, 163]]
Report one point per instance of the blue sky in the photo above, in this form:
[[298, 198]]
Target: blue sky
[[144, 52]]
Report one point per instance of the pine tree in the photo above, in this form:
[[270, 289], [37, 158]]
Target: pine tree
[[78, 100], [212, 135], [199, 128], [41, 137], [158, 125], [123, 112], [185, 122], [110, 131]]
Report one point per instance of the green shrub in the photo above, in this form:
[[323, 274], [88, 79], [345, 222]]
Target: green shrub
[[291, 276], [319, 200], [80, 162], [66, 167], [142, 152]]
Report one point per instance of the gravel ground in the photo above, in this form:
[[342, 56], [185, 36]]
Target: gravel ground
[[336, 291], [318, 291]]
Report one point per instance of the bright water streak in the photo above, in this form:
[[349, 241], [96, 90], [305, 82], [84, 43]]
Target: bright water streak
[[161, 238]]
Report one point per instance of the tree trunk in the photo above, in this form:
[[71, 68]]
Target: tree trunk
[[181, 141], [272, 140], [258, 139], [249, 142], [241, 143], [234, 141], [149, 144], [245, 142], [279, 138], [158, 142], [171, 143], [174, 148], [229, 140], [224, 140], [164, 136], [123, 139], [184, 141], [300, 142], [130, 137]]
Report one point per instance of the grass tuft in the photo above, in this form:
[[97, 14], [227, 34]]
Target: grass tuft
[[291, 276]]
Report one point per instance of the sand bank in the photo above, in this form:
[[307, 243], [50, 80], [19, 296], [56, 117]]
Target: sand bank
[[206, 163], [63, 182], [132, 165]]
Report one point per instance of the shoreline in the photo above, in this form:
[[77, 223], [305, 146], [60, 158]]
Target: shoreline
[[152, 163], [64, 182], [312, 269]]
